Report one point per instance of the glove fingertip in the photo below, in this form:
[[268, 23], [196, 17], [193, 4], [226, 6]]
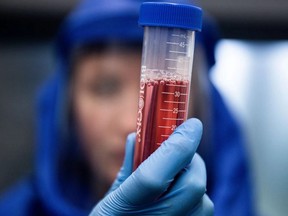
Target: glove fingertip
[[129, 153], [131, 138], [193, 124]]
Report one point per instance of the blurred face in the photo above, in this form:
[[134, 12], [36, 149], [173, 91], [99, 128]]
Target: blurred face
[[105, 97]]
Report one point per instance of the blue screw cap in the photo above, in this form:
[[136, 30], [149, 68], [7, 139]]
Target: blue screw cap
[[171, 15]]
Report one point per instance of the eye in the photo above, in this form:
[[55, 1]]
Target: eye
[[106, 86]]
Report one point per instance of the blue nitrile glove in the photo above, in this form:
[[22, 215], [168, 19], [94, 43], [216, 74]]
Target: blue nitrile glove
[[169, 182]]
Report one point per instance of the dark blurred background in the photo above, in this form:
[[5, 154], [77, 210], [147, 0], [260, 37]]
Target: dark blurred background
[[258, 30]]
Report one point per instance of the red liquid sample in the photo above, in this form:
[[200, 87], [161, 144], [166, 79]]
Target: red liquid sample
[[162, 108]]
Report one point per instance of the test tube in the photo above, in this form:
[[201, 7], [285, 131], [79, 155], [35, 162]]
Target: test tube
[[166, 72]]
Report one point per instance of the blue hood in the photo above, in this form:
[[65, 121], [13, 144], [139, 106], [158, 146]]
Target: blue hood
[[100, 21], [94, 21]]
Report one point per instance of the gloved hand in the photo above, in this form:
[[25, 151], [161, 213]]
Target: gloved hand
[[172, 181]]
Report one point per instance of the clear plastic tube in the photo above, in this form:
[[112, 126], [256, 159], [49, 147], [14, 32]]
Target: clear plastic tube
[[166, 74]]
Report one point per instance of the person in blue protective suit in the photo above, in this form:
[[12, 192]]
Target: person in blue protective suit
[[88, 108]]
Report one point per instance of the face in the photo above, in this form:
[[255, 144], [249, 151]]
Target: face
[[105, 97]]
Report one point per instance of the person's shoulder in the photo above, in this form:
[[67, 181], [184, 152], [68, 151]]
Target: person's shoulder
[[19, 200]]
